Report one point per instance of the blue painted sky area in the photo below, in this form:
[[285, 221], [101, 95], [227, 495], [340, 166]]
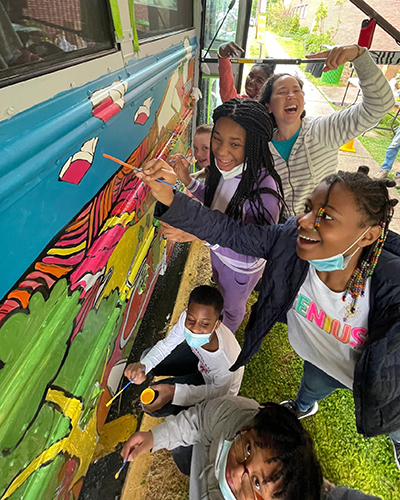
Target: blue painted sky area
[[34, 205]]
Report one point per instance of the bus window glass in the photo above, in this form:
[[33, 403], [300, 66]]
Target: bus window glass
[[36, 34], [157, 17], [215, 13]]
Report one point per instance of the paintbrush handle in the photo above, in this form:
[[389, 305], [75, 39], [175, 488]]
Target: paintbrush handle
[[118, 393], [134, 168], [183, 158]]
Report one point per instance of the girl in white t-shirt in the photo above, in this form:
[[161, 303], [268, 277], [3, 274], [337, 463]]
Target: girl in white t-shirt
[[334, 274]]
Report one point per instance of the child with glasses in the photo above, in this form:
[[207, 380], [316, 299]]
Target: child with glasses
[[234, 449]]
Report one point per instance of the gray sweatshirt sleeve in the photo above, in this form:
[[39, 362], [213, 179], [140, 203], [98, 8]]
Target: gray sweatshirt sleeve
[[338, 128], [343, 493], [204, 422]]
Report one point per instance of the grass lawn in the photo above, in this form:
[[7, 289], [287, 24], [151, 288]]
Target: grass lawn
[[347, 458]]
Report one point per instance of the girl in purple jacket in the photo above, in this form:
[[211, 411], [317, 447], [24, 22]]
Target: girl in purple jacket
[[242, 183]]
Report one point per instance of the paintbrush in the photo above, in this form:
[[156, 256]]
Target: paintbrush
[[119, 392], [119, 472], [133, 168]]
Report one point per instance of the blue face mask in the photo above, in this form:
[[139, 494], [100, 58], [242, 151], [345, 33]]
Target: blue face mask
[[223, 483], [196, 340], [338, 262]]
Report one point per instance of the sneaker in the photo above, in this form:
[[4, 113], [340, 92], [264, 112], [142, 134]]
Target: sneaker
[[396, 449], [382, 174], [292, 406], [396, 179]]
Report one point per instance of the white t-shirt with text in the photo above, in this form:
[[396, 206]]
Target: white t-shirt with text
[[321, 334]]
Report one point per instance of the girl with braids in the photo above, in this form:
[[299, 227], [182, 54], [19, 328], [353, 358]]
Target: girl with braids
[[243, 183], [333, 274]]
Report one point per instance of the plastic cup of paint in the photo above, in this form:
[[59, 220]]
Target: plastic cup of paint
[[148, 396]]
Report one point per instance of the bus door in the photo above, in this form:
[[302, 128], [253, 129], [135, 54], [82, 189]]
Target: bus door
[[222, 21]]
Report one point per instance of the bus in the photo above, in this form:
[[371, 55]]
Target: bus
[[80, 249]]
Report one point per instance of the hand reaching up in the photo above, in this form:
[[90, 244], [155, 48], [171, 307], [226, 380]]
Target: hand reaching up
[[338, 56]]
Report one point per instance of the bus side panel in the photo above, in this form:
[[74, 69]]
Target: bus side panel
[[87, 226]]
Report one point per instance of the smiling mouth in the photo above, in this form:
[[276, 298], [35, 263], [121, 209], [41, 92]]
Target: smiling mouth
[[306, 240], [291, 109], [223, 164]]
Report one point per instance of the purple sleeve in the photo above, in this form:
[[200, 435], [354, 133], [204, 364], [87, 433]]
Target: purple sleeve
[[197, 189], [271, 203]]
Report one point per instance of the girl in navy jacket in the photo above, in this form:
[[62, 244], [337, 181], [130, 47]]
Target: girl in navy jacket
[[333, 273]]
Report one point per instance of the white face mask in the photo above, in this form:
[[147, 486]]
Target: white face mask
[[232, 173], [223, 483]]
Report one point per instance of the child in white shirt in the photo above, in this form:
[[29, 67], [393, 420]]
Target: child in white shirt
[[197, 353]]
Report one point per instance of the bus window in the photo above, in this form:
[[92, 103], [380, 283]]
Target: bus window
[[37, 36], [215, 13], [157, 17]]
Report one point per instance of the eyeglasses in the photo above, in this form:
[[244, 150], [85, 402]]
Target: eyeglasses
[[243, 452]]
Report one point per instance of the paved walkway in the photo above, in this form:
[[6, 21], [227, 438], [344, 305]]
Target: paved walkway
[[317, 104]]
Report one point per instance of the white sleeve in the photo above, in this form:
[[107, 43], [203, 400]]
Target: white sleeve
[[188, 395], [338, 128], [165, 346]]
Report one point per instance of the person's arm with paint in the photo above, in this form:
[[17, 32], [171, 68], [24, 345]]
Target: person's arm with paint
[[210, 225], [157, 353]]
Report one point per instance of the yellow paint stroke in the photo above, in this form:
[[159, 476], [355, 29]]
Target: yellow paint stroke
[[123, 220], [67, 251], [80, 443], [117, 431], [138, 262]]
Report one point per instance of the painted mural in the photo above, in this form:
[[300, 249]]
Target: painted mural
[[69, 323]]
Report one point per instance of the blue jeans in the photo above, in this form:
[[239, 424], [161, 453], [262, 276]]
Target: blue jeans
[[317, 385], [391, 152]]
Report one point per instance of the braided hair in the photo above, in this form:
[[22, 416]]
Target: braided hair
[[258, 161], [268, 68], [266, 91], [372, 199], [300, 476]]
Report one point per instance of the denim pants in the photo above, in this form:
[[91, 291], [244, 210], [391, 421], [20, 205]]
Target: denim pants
[[182, 364], [317, 385], [391, 152]]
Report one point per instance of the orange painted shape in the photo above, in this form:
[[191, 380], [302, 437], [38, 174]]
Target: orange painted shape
[[147, 396]]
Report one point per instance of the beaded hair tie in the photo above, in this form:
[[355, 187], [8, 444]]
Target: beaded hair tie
[[317, 222]]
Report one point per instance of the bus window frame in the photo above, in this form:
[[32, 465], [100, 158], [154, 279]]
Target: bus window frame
[[8, 80]]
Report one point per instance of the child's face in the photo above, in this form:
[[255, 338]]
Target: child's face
[[259, 467], [201, 319], [201, 146], [228, 144], [341, 224], [254, 81]]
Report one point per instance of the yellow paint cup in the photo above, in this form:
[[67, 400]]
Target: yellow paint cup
[[148, 396]]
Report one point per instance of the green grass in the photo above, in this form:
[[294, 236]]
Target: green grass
[[295, 49], [376, 146], [274, 374]]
